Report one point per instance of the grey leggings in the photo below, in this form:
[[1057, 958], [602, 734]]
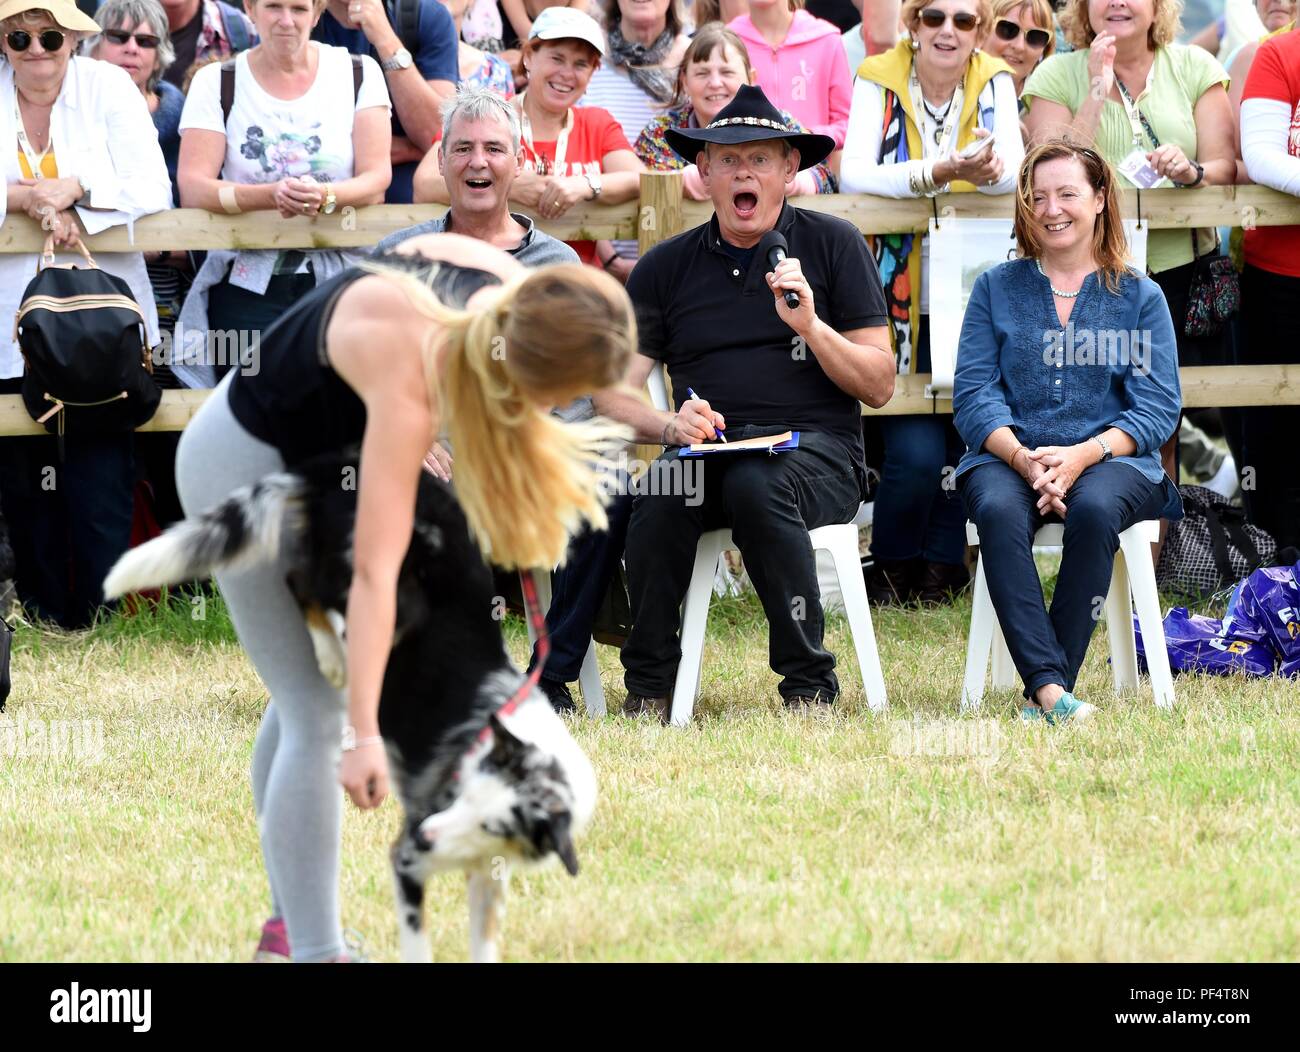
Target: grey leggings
[[295, 761]]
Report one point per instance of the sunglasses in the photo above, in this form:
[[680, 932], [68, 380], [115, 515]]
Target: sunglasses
[[51, 39], [1035, 38], [146, 41], [933, 18]]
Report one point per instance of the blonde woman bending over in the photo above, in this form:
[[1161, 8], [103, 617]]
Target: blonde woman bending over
[[446, 331]]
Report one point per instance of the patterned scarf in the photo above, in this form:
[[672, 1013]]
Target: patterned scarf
[[893, 251], [644, 64]]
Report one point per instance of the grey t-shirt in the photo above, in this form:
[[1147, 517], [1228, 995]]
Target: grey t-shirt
[[535, 250]]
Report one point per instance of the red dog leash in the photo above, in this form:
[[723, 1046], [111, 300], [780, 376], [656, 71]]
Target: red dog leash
[[538, 621]]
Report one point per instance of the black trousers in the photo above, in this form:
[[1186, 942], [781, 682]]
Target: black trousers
[[1270, 329], [578, 588], [770, 502]]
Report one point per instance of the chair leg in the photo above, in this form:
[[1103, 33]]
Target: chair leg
[[1142, 577], [1004, 669], [853, 591], [593, 694], [983, 623], [695, 617], [1119, 626]]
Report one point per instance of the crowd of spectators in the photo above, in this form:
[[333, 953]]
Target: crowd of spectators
[[306, 107]]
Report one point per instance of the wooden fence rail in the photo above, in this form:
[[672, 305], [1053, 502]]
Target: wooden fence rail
[[660, 213]]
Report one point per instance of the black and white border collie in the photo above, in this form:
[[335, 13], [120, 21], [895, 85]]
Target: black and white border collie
[[482, 791]]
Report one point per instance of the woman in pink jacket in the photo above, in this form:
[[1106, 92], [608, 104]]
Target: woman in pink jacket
[[800, 64]]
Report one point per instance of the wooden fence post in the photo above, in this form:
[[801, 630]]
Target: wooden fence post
[[660, 215]]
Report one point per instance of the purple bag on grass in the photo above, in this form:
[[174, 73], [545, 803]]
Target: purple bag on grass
[[1266, 606], [1198, 644]]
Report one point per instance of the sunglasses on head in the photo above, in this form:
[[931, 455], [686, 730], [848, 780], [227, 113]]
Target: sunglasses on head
[[51, 39], [147, 41], [1035, 38], [933, 18]]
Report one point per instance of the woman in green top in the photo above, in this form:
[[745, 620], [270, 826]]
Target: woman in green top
[[1138, 96]]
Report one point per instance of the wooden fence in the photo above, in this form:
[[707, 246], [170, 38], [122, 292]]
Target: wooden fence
[[662, 212]]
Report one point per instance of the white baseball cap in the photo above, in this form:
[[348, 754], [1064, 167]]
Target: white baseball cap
[[567, 23]]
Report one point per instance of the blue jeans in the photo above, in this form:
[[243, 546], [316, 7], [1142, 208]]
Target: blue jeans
[[917, 513], [1049, 646], [579, 586]]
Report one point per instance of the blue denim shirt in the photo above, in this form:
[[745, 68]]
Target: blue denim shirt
[[1115, 364]]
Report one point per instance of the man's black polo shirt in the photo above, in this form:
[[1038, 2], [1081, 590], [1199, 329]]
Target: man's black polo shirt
[[714, 324]]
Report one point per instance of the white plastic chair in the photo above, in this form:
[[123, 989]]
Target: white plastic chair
[[841, 542], [593, 694], [1133, 575]]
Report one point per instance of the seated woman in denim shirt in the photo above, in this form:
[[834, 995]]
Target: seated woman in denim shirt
[[1066, 386]]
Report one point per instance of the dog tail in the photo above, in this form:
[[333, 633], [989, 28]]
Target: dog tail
[[244, 529]]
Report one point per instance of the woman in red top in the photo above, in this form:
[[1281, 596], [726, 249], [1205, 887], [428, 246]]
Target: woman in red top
[[569, 154], [1270, 283]]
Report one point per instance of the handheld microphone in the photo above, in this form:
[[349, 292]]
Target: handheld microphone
[[773, 247]]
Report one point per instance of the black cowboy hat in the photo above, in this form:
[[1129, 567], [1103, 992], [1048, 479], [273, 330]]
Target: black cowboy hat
[[749, 117]]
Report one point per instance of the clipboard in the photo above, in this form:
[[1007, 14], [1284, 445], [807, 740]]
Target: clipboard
[[768, 444]]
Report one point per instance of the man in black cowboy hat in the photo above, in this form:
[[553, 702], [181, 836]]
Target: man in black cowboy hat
[[713, 309]]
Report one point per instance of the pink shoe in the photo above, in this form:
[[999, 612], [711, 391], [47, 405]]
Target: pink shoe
[[274, 947]]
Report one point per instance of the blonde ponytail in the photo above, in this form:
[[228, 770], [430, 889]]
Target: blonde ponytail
[[525, 480]]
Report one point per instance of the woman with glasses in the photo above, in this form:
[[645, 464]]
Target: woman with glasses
[[1024, 34], [81, 155], [135, 36], [916, 109], [1054, 431]]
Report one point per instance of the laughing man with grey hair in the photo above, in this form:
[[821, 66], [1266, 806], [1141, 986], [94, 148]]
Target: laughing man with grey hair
[[479, 156]]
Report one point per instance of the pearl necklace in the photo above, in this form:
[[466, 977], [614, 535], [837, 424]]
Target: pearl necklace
[[1055, 290]]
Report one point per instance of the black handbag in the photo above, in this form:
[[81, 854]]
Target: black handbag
[[85, 350], [1214, 295]]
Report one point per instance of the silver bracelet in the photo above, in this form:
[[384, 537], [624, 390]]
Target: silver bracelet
[[351, 743], [663, 438]]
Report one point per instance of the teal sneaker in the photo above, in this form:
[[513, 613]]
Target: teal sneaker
[[1069, 709], [1031, 713]]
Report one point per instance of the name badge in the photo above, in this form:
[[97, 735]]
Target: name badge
[[1139, 172]]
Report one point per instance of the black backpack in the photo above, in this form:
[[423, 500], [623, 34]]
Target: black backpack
[[1212, 547], [86, 350]]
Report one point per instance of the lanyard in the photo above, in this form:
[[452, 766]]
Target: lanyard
[[1136, 120], [951, 119], [540, 164], [34, 162]]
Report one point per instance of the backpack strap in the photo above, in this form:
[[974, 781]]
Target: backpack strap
[[227, 89], [236, 28], [356, 78], [1219, 545], [1234, 524], [405, 18]]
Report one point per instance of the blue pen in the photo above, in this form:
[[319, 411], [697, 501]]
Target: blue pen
[[691, 394]]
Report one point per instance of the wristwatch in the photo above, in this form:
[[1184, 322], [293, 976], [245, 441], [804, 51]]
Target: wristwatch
[[1106, 453], [593, 181], [1200, 175], [331, 200], [401, 59]]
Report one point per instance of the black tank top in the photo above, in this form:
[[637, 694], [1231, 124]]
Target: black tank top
[[296, 402]]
